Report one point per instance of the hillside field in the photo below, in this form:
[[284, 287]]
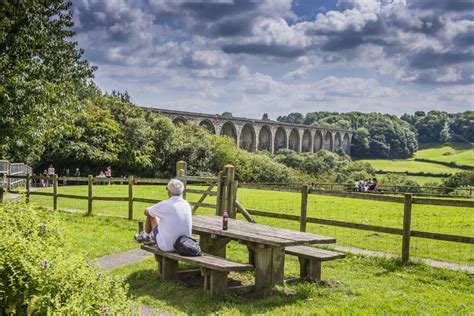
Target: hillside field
[[410, 166], [462, 155]]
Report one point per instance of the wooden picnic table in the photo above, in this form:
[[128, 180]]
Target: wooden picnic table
[[266, 244]]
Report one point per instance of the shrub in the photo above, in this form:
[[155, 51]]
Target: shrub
[[42, 274]]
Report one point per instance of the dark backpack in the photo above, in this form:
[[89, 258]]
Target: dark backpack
[[187, 246]]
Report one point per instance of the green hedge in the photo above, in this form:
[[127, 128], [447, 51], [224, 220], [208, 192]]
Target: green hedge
[[41, 273]]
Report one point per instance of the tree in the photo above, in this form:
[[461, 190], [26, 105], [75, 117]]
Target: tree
[[40, 68], [296, 118], [265, 117], [227, 114]]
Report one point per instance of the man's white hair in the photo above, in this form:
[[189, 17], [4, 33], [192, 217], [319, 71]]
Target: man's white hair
[[175, 187]]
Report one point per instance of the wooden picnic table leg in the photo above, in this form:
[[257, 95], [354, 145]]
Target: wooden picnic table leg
[[167, 268], [310, 270], [269, 265], [216, 246]]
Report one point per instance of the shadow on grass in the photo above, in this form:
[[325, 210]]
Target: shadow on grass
[[145, 286]]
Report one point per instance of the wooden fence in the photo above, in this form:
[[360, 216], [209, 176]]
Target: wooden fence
[[407, 200], [226, 199], [131, 181]]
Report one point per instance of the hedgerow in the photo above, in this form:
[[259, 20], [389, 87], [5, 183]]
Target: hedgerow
[[41, 273]]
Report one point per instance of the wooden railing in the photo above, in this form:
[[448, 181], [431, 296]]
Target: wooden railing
[[130, 181], [407, 200]]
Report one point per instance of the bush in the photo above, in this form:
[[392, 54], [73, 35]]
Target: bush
[[42, 274], [460, 179]]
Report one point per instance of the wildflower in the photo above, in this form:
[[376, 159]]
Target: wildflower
[[45, 264]]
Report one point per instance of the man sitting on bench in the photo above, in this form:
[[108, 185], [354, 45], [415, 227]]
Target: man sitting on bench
[[168, 219]]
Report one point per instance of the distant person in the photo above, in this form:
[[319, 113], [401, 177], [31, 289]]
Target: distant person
[[168, 219], [373, 185], [77, 173], [44, 182], [51, 171], [108, 172]]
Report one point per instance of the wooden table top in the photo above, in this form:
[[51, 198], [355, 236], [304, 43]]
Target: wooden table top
[[261, 234]]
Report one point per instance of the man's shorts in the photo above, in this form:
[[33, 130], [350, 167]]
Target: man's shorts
[[155, 232]]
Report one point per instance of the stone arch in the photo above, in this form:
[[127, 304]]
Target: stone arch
[[208, 125], [265, 138], [346, 143], [280, 139], [337, 141], [318, 141], [294, 141], [307, 143], [328, 142], [228, 129], [179, 120], [247, 138]]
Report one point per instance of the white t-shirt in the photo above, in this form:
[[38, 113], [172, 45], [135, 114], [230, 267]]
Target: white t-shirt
[[175, 220]]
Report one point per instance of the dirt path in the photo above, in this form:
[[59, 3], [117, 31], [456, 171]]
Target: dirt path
[[115, 260]]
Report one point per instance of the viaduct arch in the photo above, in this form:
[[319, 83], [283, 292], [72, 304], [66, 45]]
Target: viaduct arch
[[257, 135]]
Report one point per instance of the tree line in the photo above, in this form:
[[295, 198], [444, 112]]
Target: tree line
[[389, 136]]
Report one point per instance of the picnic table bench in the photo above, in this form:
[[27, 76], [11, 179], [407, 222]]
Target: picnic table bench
[[267, 247], [214, 269], [266, 244], [310, 259]]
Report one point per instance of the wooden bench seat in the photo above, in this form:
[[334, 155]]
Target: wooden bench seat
[[310, 259], [214, 269]]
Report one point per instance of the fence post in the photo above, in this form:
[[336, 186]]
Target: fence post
[[219, 197], [89, 194], [27, 188], [406, 228], [304, 207], [130, 197], [2, 182], [55, 192], [232, 198], [182, 171], [227, 202]]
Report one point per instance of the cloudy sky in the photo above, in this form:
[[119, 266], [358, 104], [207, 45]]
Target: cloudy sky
[[281, 56]]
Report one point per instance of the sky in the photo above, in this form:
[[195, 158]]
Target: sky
[[282, 56]]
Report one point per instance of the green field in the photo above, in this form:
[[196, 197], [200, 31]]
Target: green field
[[459, 154], [410, 166], [440, 219], [354, 285]]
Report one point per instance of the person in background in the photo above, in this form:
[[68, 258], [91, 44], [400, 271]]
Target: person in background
[[77, 173], [44, 182]]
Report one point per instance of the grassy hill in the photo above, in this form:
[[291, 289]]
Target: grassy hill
[[410, 166], [460, 154]]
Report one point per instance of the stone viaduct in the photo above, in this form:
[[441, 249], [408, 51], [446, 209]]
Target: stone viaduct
[[255, 135]]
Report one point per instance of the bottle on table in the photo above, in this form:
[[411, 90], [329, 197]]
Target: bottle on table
[[225, 221]]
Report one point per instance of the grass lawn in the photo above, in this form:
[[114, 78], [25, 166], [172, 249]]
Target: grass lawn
[[355, 285], [410, 166], [460, 154], [418, 179], [440, 219], [96, 236]]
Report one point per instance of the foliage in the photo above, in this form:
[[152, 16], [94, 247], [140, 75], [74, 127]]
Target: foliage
[[441, 127], [93, 141], [315, 164], [296, 118], [40, 69], [460, 179], [42, 274], [227, 114]]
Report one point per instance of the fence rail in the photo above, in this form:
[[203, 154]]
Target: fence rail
[[226, 199]]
